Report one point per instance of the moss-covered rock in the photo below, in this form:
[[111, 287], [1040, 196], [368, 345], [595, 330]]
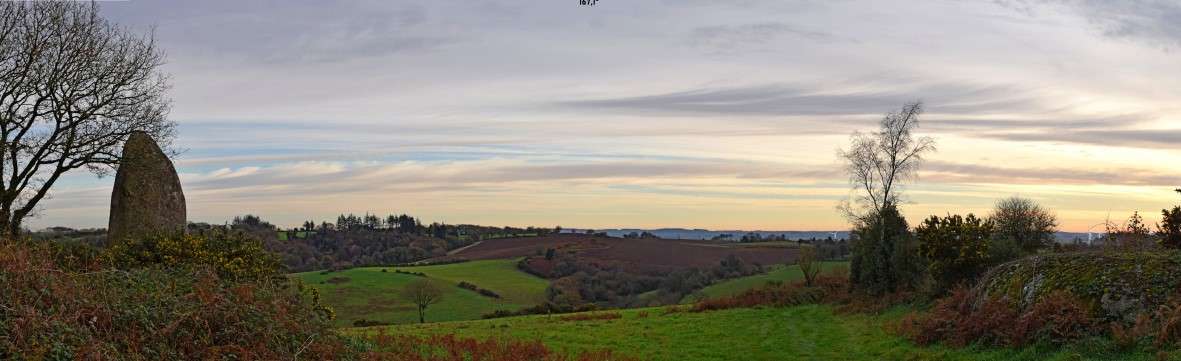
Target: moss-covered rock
[[1118, 285]]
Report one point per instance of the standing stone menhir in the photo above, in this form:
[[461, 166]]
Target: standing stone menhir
[[147, 198]]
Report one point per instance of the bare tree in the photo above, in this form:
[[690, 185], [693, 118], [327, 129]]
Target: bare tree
[[422, 293], [879, 162], [809, 264], [1024, 224], [73, 87]]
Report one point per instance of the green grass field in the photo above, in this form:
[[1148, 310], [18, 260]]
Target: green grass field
[[811, 332], [373, 295], [776, 273]]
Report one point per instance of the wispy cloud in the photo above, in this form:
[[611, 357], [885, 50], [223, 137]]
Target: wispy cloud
[[1155, 22], [950, 172], [796, 100], [725, 39], [1139, 138]]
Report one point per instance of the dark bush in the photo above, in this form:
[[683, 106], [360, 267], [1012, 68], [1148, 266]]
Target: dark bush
[[367, 323], [468, 286], [419, 274], [1170, 228], [885, 256], [488, 293], [483, 292]]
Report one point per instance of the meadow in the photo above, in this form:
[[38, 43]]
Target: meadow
[[810, 332], [370, 294]]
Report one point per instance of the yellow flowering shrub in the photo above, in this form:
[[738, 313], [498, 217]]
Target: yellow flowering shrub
[[233, 255]]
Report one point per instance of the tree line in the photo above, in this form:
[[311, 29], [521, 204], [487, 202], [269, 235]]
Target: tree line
[[366, 240]]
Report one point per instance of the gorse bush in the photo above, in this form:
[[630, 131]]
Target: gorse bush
[[233, 255], [956, 248]]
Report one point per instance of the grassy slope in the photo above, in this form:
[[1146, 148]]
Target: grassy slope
[[374, 295], [778, 273], [798, 333]]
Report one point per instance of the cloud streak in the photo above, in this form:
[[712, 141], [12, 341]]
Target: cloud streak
[[795, 100], [949, 172], [1140, 138]]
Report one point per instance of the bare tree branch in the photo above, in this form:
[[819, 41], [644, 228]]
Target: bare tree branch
[[879, 163], [73, 87]]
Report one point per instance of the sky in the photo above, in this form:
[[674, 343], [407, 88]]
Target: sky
[[718, 114]]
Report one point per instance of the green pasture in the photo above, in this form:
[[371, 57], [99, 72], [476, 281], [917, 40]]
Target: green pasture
[[370, 294]]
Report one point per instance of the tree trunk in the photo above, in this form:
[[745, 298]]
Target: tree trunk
[[9, 228], [421, 315]]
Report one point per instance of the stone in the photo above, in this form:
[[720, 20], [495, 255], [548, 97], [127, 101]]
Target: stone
[[147, 199]]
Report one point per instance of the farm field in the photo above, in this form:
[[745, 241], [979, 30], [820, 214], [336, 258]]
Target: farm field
[[632, 253], [370, 294], [774, 273], [812, 332]]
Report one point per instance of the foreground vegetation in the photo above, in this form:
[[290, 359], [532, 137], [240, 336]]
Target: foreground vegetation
[[809, 332], [374, 294], [191, 297]]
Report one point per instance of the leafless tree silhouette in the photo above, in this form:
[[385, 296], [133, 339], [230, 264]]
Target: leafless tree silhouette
[[73, 87]]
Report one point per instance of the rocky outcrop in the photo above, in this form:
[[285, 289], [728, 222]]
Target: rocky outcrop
[[147, 199], [1118, 285]]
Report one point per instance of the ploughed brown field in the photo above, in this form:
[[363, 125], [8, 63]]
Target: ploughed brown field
[[645, 254]]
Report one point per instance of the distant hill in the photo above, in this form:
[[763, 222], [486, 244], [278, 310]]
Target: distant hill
[[705, 234]]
